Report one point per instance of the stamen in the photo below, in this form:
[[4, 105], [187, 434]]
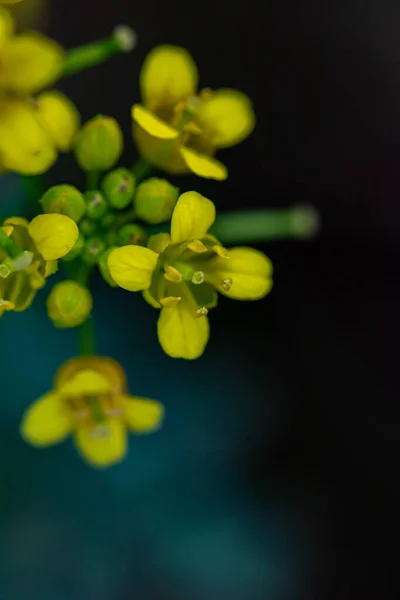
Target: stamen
[[197, 246], [23, 261], [227, 284], [4, 271], [170, 301], [172, 274], [114, 412], [198, 277], [101, 431], [220, 251], [202, 312], [192, 128]]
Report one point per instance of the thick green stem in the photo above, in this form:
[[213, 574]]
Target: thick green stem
[[87, 342], [262, 225], [9, 245], [141, 169], [123, 39]]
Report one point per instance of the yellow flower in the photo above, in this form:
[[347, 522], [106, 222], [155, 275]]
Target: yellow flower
[[41, 242], [90, 402], [179, 130], [32, 130], [182, 273]]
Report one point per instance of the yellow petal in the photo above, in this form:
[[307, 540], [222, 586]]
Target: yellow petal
[[226, 117], [86, 383], [168, 76], [182, 334], [6, 25], [142, 415], [54, 235], [59, 117], [25, 147], [30, 62], [50, 268], [203, 165], [101, 364], [104, 450], [152, 124], [250, 271], [192, 217], [47, 421], [132, 267]]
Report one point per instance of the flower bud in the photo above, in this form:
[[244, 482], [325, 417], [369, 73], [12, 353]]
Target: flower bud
[[132, 234], [76, 250], [65, 200], [103, 267], [88, 227], [92, 250], [108, 220], [155, 200], [99, 144], [69, 304], [119, 186], [96, 205]]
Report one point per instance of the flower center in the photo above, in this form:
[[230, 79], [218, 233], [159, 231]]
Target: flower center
[[94, 412]]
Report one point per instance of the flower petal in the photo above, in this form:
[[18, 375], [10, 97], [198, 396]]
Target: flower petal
[[203, 165], [168, 76], [86, 383], [25, 147], [59, 117], [108, 367], [249, 269], [192, 217], [102, 451], [46, 422], [7, 25], [226, 117], [182, 334], [30, 62], [142, 415], [152, 124], [132, 267], [53, 234]]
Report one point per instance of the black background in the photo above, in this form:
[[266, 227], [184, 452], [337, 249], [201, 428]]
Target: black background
[[324, 78]]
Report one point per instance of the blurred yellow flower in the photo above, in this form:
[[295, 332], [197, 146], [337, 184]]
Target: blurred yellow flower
[[41, 242], [32, 130], [90, 402], [182, 273], [9, 1], [179, 130]]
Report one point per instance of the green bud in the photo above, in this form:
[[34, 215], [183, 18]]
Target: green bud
[[108, 220], [132, 234], [159, 242], [96, 205], [88, 227], [76, 250], [119, 187], [155, 200], [69, 304], [92, 250], [65, 200], [103, 267], [99, 144]]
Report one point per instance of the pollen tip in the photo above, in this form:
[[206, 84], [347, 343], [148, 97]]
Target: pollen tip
[[197, 246], [220, 251], [202, 312], [170, 301], [172, 274], [126, 37], [227, 284]]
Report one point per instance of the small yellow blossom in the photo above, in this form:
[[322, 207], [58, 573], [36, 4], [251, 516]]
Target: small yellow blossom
[[181, 274], [41, 242], [32, 129], [178, 129], [89, 401]]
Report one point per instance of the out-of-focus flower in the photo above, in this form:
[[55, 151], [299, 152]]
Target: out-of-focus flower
[[32, 128], [69, 304], [182, 273], [9, 1], [178, 129], [40, 242], [89, 401]]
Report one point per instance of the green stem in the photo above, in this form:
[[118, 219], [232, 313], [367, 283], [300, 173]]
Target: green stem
[[92, 180], [9, 245], [87, 342], [123, 39], [141, 169], [262, 225]]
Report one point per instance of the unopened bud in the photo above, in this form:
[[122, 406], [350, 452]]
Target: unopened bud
[[99, 144], [119, 187], [65, 200], [155, 200], [88, 227], [92, 250], [103, 266], [69, 304], [96, 205], [132, 234], [75, 250]]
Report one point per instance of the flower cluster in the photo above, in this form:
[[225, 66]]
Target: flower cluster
[[132, 224]]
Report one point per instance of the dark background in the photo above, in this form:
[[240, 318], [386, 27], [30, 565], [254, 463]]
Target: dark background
[[325, 81]]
